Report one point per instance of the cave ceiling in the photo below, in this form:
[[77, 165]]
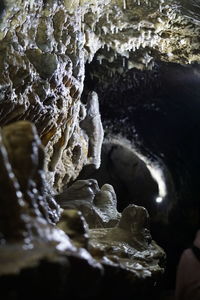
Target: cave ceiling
[[45, 46]]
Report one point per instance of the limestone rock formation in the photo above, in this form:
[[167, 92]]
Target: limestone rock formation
[[120, 242], [42, 73], [27, 212], [30, 243], [74, 225], [126, 251], [130, 176], [128, 245], [98, 206], [28, 231], [91, 124], [45, 45], [124, 248], [24, 201]]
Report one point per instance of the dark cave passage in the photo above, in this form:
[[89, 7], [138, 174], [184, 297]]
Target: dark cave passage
[[158, 111]]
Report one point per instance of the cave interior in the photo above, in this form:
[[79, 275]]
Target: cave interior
[[99, 147]]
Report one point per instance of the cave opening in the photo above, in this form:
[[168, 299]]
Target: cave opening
[[152, 117]]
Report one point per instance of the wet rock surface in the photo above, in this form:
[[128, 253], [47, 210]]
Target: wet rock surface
[[155, 114], [23, 196], [98, 206], [42, 73], [130, 176], [120, 242], [84, 249], [33, 251], [129, 245], [44, 46]]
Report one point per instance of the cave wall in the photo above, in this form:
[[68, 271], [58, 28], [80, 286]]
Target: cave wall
[[45, 45]]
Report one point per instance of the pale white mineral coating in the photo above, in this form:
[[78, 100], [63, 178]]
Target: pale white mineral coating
[[44, 46], [98, 206], [94, 130]]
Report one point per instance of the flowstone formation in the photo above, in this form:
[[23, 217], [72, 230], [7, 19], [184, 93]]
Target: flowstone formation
[[121, 242], [49, 134], [85, 249], [31, 246], [42, 73], [98, 206]]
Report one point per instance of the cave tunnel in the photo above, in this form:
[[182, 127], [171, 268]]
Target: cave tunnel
[[157, 112], [99, 148]]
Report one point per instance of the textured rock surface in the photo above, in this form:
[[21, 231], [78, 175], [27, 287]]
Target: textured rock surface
[[36, 245], [27, 213], [98, 206], [131, 177], [120, 242], [44, 47], [152, 109], [129, 245], [30, 244], [126, 252], [74, 225], [42, 73], [23, 197]]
